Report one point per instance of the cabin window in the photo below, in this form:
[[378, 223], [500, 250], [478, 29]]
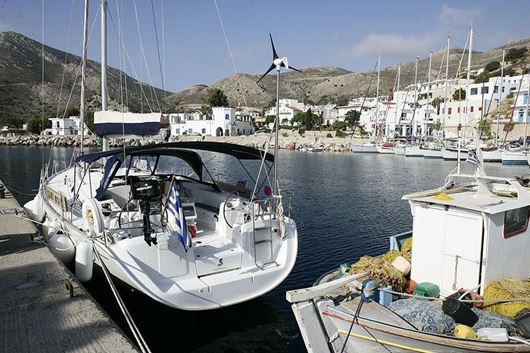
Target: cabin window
[[515, 221]]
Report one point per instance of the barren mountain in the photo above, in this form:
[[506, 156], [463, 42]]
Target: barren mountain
[[21, 88]]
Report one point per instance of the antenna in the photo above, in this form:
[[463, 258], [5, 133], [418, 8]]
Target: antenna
[[277, 63]]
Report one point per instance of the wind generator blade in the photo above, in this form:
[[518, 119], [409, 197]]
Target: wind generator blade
[[265, 74], [295, 69], [274, 54]]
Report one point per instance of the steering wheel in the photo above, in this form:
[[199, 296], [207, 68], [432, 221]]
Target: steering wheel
[[233, 192]]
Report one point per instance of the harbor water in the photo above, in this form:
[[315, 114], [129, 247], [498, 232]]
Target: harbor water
[[346, 205]]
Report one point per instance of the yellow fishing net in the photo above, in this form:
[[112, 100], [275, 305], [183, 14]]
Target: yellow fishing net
[[508, 288], [380, 268], [442, 197]]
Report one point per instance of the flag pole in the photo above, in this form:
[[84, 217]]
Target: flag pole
[[167, 197]]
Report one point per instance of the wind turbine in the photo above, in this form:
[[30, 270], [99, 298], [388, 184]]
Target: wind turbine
[[277, 63]]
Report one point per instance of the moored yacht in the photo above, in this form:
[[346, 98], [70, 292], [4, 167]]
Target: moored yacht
[[157, 220]]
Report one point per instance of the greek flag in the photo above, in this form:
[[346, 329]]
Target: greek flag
[[176, 217], [472, 158]]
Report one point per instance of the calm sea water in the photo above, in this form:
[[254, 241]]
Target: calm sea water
[[345, 205]]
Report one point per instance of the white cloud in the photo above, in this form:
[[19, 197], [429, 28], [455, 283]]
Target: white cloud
[[455, 16], [396, 45]]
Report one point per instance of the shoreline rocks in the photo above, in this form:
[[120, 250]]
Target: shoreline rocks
[[287, 140]]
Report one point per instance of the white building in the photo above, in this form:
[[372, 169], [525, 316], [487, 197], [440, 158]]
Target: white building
[[224, 122], [520, 106], [65, 126], [482, 99], [288, 109]]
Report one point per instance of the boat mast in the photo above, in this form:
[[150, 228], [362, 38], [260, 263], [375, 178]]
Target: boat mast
[[377, 98], [468, 77], [527, 102], [446, 84], [413, 121], [103, 10], [397, 99], [500, 98], [276, 126], [428, 92], [83, 72]]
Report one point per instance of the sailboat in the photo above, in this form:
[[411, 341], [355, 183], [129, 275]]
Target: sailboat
[[518, 155], [157, 220], [371, 147]]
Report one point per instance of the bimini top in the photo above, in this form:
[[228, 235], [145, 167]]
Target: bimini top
[[239, 152]]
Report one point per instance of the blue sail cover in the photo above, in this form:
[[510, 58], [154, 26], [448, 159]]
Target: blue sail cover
[[110, 123]]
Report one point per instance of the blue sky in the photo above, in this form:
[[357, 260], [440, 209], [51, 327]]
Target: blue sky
[[348, 34]]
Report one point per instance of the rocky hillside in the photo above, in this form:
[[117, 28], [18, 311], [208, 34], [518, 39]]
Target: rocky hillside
[[21, 86], [330, 84], [21, 89]]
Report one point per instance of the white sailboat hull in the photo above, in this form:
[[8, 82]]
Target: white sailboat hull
[[432, 153], [364, 148], [452, 154], [385, 150], [413, 151], [514, 158], [400, 150], [492, 156]]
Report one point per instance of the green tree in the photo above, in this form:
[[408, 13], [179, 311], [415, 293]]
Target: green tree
[[352, 118], [516, 53], [206, 111], [215, 97], [459, 94], [492, 66], [308, 119], [36, 125]]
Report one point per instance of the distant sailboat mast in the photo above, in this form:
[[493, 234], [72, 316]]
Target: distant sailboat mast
[[83, 73], [468, 77], [427, 115], [376, 121], [397, 99], [500, 98], [446, 84]]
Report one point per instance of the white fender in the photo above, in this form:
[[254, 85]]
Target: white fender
[[92, 216], [35, 209], [49, 228], [84, 261], [61, 245]]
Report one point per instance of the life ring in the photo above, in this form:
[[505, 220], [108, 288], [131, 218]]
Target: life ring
[[93, 216]]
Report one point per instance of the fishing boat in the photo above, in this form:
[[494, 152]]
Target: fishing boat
[[156, 218], [464, 235]]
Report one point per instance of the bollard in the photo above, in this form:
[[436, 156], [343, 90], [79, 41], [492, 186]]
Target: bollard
[[2, 192]]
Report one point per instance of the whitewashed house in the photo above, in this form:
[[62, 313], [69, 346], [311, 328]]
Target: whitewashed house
[[66, 126], [224, 122], [520, 111]]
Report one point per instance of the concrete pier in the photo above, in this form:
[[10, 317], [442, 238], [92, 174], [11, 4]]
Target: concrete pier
[[43, 308]]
